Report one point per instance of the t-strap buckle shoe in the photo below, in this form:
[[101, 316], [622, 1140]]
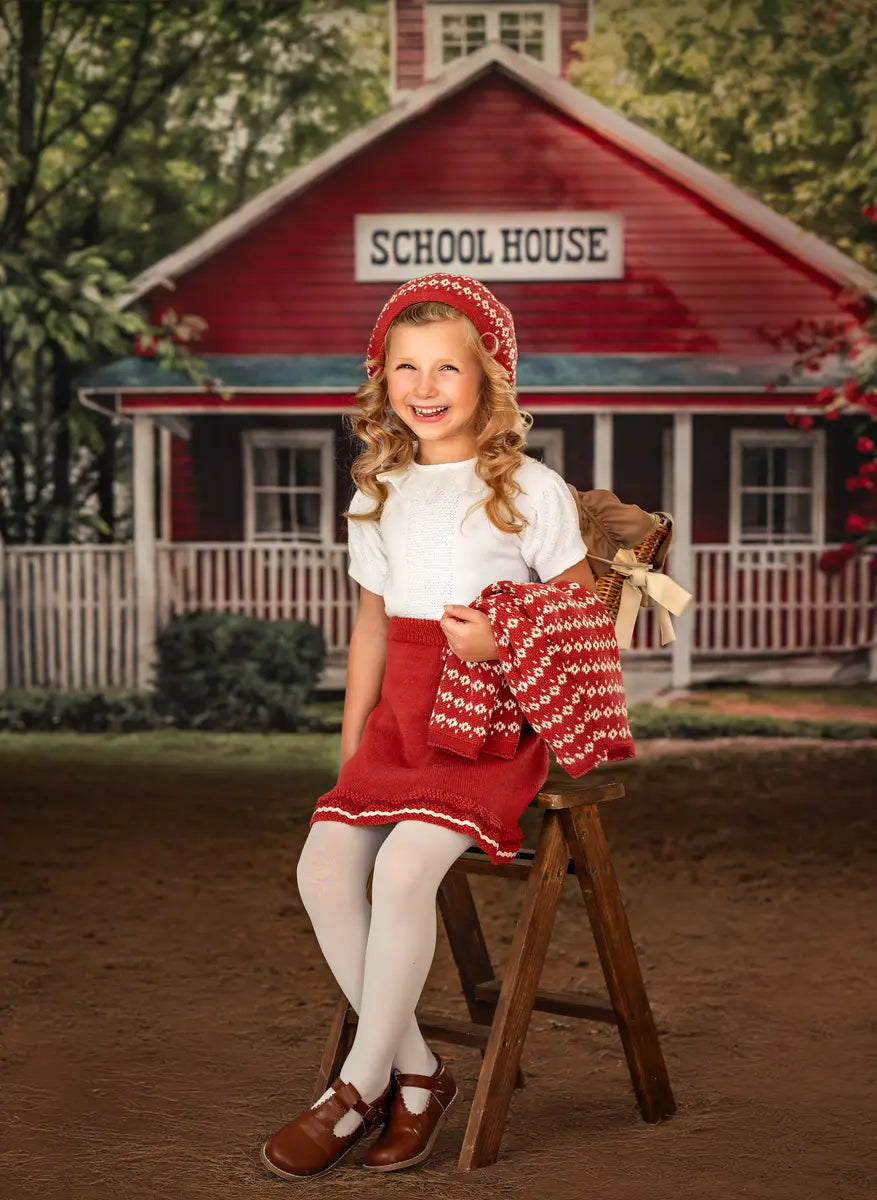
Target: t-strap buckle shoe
[[408, 1138], [308, 1145]]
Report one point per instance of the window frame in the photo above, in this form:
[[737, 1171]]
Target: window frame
[[777, 438], [491, 13], [291, 439]]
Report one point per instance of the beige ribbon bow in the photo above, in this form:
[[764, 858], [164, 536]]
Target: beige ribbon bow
[[643, 586]]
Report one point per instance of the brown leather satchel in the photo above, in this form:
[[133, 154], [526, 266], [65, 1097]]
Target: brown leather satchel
[[609, 526]]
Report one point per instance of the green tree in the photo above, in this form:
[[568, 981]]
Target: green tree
[[774, 94], [125, 129]]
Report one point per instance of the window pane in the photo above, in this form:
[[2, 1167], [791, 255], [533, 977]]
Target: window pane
[[307, 467], [462, 35], [266, 466], [286, 466], [793, 466], [792, 515], [754, 515], [755, 466], [288, 515]]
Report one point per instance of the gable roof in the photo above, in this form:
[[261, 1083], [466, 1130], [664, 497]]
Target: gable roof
[[617, 130]]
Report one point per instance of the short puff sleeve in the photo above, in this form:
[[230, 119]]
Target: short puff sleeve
[[552, 541], [365, 547]]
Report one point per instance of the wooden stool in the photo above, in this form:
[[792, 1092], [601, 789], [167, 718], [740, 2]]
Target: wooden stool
[[571, 840]]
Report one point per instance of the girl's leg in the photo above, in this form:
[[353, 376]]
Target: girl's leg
[[333, 871], [409, 867]]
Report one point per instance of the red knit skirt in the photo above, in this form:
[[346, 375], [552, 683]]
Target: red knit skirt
[[395, 776]]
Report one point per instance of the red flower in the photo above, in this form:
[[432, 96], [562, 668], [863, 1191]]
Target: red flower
[[805, 423], [832, 414], [869, 468], [825, 395], [791, 419], [853, 482], [835, 560], [864, 445], [870, 211], [856, 523], [851, 390]]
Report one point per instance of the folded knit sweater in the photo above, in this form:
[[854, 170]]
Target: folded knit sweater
[[558, 667]]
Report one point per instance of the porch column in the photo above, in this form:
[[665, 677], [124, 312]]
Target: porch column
[[682, 553], [603, 430], [143, 449]]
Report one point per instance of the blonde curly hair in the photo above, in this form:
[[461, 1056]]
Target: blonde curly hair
[[500, 427]]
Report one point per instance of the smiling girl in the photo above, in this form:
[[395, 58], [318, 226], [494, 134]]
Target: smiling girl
[[446, 503]]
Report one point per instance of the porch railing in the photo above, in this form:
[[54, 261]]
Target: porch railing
[[68, 614], [275, 580]]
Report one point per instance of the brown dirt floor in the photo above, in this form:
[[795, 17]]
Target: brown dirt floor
[[164, 1003]]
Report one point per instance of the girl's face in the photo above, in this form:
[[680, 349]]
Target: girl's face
[[433, 382]]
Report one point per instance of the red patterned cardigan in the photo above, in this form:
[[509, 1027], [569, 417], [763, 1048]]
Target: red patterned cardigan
[[558, 667]]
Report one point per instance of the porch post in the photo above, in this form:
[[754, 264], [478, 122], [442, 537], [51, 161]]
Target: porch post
[[603, 430], [682, 554], [144, 545]]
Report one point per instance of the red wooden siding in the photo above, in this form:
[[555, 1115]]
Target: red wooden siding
[[410, 36], [695, 281], [184, 518], [573, 29]]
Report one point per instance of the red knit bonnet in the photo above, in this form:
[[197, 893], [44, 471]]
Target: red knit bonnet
[[469, 297]]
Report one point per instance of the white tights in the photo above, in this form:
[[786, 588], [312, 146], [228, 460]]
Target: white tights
[[380, 954]]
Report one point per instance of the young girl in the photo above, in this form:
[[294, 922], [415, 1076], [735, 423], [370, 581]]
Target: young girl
[[446, 504]]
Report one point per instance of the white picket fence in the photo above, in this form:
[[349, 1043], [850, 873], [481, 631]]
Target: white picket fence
[[69, 619]]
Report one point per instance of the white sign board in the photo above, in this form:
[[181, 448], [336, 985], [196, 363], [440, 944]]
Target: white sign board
[[514, 245]]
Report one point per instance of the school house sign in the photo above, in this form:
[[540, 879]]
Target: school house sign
[[512, 245]]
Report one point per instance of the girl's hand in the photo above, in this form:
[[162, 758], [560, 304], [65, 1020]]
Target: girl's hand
[[469, 633]]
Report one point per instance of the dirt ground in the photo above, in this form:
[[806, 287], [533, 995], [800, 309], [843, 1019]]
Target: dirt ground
[[164, 1002]]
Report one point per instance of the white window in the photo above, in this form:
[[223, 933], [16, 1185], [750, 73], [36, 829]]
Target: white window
[[455, 30], [777, 486], [289, 485], [547, 446]]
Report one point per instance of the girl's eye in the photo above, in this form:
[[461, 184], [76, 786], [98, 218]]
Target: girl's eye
[[449, 367], [402, 366]]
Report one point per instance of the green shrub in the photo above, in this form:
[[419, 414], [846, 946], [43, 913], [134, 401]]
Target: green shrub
[[80, 712], [648, 722], [227, 671]]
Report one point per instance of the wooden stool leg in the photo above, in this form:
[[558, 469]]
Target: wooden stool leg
[[502, 1056], [337, 1045], [466, 939], [587, 842]]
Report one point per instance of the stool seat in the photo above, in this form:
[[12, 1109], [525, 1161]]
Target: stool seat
[[571, 842]]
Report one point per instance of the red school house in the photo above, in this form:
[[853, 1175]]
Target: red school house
[[645, 291]]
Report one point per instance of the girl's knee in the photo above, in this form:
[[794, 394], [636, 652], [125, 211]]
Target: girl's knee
[[409, 866], [333, 865]]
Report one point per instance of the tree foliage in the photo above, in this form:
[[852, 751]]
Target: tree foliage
[[774, 94], [126, 129]]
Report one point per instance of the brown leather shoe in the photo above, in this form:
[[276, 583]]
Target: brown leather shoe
[[408, 1138], [307, 1146]]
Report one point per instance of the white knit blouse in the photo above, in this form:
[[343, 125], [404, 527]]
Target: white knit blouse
[[423, 555]]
